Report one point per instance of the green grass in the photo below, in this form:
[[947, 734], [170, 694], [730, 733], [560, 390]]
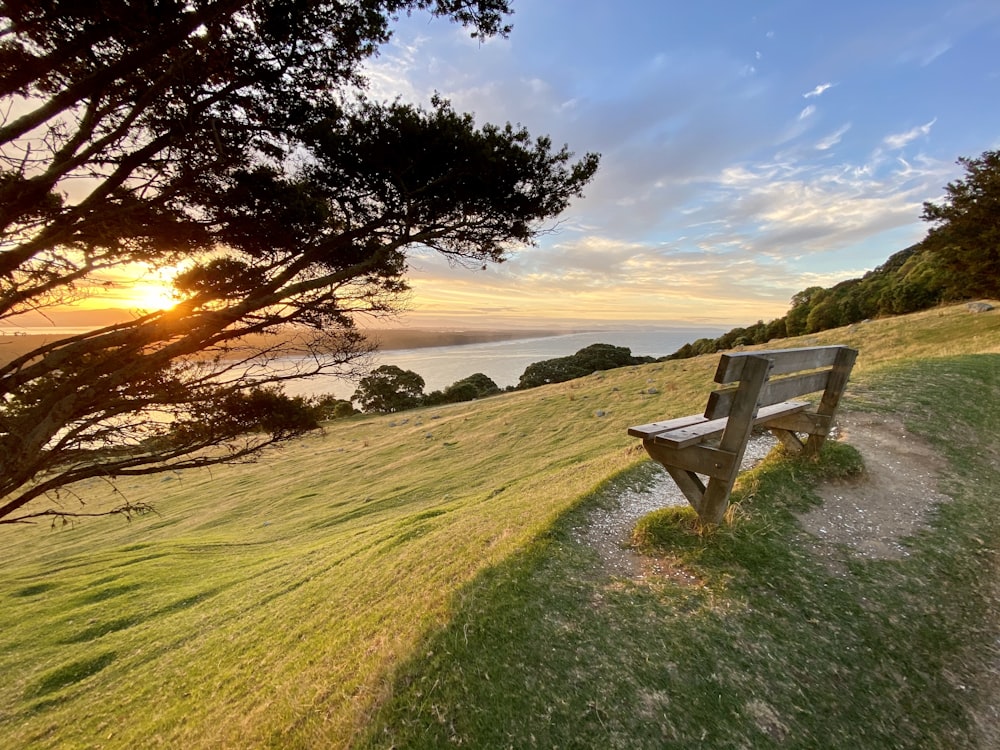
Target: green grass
[[419, 568], [770, 648]]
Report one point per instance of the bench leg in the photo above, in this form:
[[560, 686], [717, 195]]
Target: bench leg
[[690, 484], [734, 440], [831, 396]]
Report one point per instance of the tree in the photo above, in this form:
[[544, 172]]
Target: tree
[[586, 361], [389, 389], [966, 232], [775, 330], [802, 304], [477, 385], [328, 407], [232, 140], [823, 316], [481, 383]]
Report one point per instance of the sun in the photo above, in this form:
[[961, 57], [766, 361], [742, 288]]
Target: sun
[[152, 295], [142, 288]]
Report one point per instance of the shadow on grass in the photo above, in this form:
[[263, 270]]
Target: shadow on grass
[[34, 589], [125, 621], [103, 628], [69, 674], [772, 649], [110, 592]]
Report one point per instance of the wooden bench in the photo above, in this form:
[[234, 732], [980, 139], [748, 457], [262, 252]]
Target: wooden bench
[[712, 444]]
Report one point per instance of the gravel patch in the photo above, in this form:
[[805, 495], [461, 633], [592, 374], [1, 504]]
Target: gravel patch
[[869, 517], [607, 530]]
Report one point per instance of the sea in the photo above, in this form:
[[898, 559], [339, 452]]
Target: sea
[[503, 361]]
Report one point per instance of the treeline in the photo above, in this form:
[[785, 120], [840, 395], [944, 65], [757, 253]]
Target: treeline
[[905, 283], [389, 389], [959, 259]]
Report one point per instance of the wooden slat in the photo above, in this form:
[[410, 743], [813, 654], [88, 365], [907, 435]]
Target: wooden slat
[[783, 361], [720, 402], [687, 436], [646, 431]]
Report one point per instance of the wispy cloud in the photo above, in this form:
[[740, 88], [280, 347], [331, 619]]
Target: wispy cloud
[[817, 91], [716, 195], [833, 139], [761, 232], [391, 75], [898, 140], [925, 51], [935, 52]]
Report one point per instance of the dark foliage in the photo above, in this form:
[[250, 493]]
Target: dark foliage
[[477, 385], [231, 137], [328, 407], [588, 360], [389, 389], [965, 238]]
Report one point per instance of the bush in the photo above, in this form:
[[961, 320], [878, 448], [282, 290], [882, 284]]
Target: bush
[[586, 361], [389, 389]]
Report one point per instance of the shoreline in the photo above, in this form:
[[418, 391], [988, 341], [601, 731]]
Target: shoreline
[[16, 345], [397, 339]]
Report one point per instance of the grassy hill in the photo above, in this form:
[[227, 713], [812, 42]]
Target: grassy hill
[[280, 604]]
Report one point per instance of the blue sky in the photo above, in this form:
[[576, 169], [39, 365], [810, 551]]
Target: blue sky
[[749, 149]]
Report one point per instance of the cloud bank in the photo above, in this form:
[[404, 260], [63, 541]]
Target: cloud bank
[[720, 195]]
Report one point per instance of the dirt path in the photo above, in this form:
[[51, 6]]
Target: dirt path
[[868, 517], [891, 501]]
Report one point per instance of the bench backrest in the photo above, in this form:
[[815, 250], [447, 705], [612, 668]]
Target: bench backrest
[[816, 369]]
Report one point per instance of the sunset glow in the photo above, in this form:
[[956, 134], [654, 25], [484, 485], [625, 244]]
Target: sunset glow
[[150, 296], [747, 154], [140, 289]]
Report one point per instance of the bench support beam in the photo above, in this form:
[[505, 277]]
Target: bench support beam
[[734, 439], [789, 439], [690, 484], [684, 446]]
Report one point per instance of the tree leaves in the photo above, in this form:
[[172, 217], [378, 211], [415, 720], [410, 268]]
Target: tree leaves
[[966, 235], [230, 135]]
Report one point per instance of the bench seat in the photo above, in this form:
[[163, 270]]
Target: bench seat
[[712, 444], [712, 428]]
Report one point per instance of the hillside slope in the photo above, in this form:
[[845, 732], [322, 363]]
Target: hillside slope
[[269, 604]]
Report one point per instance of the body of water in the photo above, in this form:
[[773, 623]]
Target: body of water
[[505, 361]]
